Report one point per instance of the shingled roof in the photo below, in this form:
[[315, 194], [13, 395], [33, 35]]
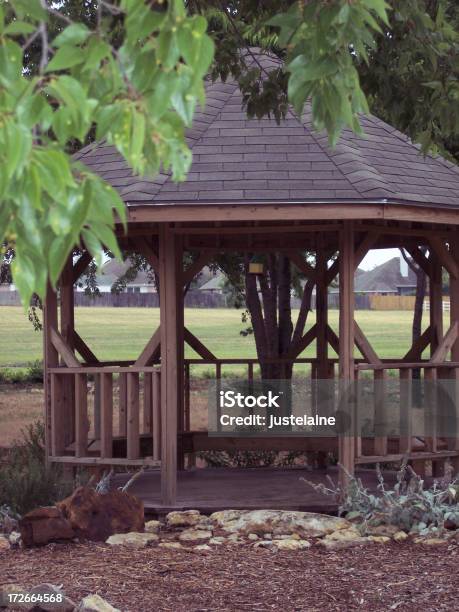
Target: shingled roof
[[240, 160]]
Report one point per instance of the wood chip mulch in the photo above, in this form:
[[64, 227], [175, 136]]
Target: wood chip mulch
[[403, 577]]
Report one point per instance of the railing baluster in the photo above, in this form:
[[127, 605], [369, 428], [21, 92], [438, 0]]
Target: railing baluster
[[106, 425], [147, 402], [406, 392], [380, 412], [218, 376], [157, 415], [57, 422], [186, 411], [97, 406], [122, 404], [133, 417], [81, 415]]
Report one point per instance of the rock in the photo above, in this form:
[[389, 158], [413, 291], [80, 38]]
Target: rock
[[383, 530], [343, 538], [170, 545], [379, 539], [291, 544], [282, 522], [95, 603], [431, 541], [96, 517], [187, 518], [253, 537], [10, 589], [400, 536], [14, 539], [264, 544], [217, 541], [152, 526], [133, 539], [293, 536], [202, 548], [4, 543], [44, 525], [63, 605], [192, 536]]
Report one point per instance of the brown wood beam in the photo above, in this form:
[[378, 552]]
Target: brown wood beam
[[367, 244], [422, 261], [303, 343], [81, 265], [446, 344], [333, 270], [51, 360], [197, 345], [151, 351], [444, 256], [346, 344], [332, 339], [454, 318], [364, 346], [142, 245], [196, 267], [63, 349], [419, 346], [171, 330], [436, 303], [83, 349], [302, 265]]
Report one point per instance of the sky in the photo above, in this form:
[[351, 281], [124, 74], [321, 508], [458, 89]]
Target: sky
[[377, 257]]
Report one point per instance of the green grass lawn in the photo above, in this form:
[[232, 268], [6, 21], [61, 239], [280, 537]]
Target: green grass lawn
[[121, 333]]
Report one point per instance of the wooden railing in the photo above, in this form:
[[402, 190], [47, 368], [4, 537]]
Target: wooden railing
[[434, 445], [96, 415]]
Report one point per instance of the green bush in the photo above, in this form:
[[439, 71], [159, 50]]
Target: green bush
[[409, 505], [33, 373], [26, 482]]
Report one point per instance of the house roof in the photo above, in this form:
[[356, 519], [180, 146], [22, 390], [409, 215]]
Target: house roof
[[241, 160], [113, 269], [215, 283], [385, 278]]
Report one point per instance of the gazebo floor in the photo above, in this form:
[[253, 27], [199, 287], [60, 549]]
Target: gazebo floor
[[212, 489]]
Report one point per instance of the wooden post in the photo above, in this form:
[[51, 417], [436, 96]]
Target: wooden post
[[346, 341], [171, 317], [133, 416], [106, 425], [454, 316], [67, 329], [436, 324], [51, 358], [321, 310]]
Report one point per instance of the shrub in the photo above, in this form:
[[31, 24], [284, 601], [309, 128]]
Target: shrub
[[34, 372], [255, 458], [25, 480], [409, 505]]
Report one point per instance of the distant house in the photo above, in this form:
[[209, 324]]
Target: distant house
[[111, 271], [214, 285], [394, 277]]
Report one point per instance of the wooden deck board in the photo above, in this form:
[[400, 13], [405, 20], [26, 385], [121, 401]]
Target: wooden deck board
[[212, 489]]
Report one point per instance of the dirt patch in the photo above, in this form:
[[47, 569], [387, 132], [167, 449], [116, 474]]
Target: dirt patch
[[376, 578], [20, 405]]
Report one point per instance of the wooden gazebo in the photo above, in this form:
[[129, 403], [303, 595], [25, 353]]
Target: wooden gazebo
[[256, 186]]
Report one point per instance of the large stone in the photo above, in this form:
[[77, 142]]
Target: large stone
[[431, 541], [187, 518], [152, 526], [4, 543], [12, 589], [400, 536], [133, 539], [95, 603], [96, 517], [383, 530], [44, 525], [195, 536], [278, 522], [61, 601], [170, 545], [343, 538], [291, 544]]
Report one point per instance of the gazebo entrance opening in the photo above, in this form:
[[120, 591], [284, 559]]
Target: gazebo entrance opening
[[140, 412]]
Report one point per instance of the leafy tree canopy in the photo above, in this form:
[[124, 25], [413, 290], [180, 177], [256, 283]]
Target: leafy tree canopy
[[132, 72]]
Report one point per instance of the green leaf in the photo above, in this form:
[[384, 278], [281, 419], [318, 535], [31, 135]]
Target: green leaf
[[10, 62], [19, 27], [380, 7], [74, 34], [59, 250], [65, 58]]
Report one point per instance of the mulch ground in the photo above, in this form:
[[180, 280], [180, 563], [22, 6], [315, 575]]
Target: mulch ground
[[379, 577]]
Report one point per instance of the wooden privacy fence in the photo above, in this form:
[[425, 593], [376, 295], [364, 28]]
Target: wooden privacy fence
[[106, 426], [193, 299]]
